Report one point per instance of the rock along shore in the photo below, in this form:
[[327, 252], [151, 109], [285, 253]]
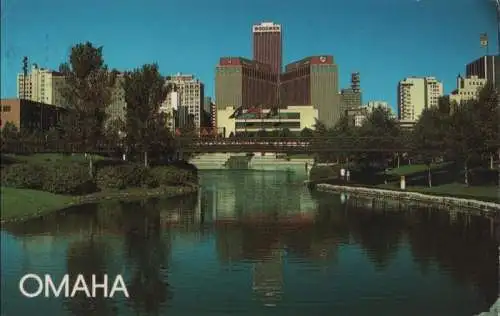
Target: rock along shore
[[446, 202]]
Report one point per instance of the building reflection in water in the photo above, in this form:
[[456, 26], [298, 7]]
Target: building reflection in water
[[267, 277], [261, 238]]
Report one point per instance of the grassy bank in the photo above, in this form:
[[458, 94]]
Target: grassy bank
[[23, 204], [32, 185], [445, 181], [482, 193]]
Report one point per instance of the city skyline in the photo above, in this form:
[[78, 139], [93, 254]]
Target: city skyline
[[368, 46]]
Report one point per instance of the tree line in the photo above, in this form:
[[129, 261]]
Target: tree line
[[88, 91], [466, 134]]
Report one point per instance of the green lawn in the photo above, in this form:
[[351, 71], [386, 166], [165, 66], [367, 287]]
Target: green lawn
[[411, 169], [19, 204], [49, 157], [485, 193], [25, 203]]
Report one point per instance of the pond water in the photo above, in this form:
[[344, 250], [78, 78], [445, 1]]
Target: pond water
[[255, 243]]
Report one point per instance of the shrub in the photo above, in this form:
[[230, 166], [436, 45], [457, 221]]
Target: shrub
[[483, 176], [169, 175], [323, 172], [22, 175], [67, 178], [55, 177], [123, 176]]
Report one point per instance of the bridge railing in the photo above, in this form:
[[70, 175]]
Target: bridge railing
[[317, 144]]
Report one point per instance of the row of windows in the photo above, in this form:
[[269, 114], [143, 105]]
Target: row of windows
[[324, 68], [267, 125], [6, 108], [282, 115]]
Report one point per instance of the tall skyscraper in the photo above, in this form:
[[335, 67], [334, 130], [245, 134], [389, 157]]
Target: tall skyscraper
[[416, 94], [267, 45], [243, 82], [41, 85], [313, 81]]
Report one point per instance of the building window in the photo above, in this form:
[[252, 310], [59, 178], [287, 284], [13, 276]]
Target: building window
[[6, 108]]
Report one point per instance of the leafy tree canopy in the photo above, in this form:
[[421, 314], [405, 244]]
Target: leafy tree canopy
[[87, 92], [145, 90]]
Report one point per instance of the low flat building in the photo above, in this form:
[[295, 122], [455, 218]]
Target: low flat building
[[356, 116], [30, 115], [406, 125], [294, 118]]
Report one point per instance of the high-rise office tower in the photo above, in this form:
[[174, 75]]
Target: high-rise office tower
[[267, 45], [313, 81], [416, 94], [243, 82], [188, 97], [486, 67]]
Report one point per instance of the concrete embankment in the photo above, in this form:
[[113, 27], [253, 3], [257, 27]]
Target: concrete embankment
[[446, 202]]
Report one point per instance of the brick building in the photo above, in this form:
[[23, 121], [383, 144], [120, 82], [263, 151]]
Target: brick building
[[244, 82], [313, 80], [30, 115]]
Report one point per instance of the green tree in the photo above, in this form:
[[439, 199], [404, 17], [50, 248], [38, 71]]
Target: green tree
[[10, 137], [464, 137], [429, 136], [145, 90], [262, 133], [321, 133], [306, 133], [87, 91], [343, 134], [487, 122], [380, 130], [115, 134], [285, 132]]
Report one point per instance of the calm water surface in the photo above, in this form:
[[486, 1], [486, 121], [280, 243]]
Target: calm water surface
[[256, 243]]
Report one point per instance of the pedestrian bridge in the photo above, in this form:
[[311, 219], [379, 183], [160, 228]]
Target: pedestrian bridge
[[291, 145]]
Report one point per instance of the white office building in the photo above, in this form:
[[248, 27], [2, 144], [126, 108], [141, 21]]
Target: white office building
[[416, 94], [185, 100], [41, 85], [170, 108], [467, 89]]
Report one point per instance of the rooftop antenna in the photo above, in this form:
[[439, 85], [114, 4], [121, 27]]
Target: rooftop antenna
[[46, 50], [25, 76]]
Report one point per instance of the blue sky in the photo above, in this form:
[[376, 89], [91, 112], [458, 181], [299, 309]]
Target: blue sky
[[385, 40]]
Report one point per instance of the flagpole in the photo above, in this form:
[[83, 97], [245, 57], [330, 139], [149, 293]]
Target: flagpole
[[497, 2]]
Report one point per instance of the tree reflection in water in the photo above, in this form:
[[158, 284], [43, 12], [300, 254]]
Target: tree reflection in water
[[89, 255], [147, 251], [456, 245]]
